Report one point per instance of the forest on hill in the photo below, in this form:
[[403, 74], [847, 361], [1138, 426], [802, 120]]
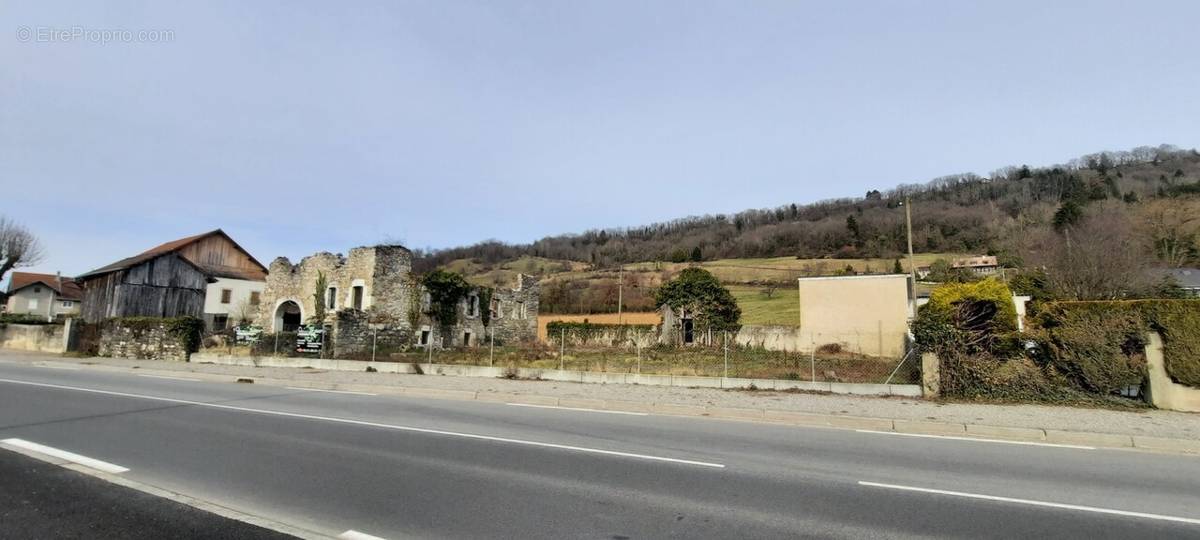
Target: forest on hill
[[1152, 189]]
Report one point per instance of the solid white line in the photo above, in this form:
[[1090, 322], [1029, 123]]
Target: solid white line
[[69, 456], [1094, 509], [355, 535], [576, 409], [976, 439], [55, 367], [171, 378], [374, 424], [331, 391]]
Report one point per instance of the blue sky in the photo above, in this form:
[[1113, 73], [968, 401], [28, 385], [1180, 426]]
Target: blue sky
[[308, 126]]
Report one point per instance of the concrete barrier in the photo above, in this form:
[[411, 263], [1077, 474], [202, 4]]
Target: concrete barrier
[[1165, 393], [591, 377], [48, 338]]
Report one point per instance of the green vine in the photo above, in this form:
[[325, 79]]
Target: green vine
[[485, 305], [445, 290], [318, 316]]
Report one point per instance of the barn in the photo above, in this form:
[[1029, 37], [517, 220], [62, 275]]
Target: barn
[[204, 276]]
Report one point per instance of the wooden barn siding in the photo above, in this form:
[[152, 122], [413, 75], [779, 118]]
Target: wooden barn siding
[[218, 253], [162, 287]]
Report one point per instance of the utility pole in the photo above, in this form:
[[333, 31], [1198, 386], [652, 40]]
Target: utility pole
[[912, 265], [620, 293]]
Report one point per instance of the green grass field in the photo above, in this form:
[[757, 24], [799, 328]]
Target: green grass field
[[780, 308]]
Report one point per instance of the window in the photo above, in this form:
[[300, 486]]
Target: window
[[67, 303], [466, 339], [495, 309], [219, 322], [37, 289], [472, 306], [358, 297], [331, 298], [424, 337], [520, 310], [255, 298], [226, 296]]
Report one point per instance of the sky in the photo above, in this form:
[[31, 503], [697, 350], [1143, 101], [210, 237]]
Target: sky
[[300, 127]]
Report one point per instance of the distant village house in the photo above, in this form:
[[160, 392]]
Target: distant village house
[[45, 295]]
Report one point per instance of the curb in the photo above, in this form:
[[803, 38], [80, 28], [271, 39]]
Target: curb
[[783, 417]]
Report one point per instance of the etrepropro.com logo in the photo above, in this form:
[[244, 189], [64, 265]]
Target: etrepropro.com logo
[[84, 34]]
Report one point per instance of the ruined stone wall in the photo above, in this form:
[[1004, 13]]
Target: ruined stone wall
[[153, 343], [382, 272], [515, 320], [355, 334]]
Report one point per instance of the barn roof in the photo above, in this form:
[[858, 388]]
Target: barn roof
[[69, 289], [174, 246]]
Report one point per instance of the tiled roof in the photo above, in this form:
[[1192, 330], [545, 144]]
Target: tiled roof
[[69, 289], [972, 262]]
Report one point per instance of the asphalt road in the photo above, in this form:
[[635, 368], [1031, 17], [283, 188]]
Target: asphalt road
[[403, 467]]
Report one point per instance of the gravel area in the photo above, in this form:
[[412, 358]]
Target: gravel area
[[1149, 422]]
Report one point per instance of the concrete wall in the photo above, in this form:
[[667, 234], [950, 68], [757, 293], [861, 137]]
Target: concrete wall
[[33, 337], [1165, 393], [865, 314]]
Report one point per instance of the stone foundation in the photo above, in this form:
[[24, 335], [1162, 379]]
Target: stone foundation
[[153, 343]]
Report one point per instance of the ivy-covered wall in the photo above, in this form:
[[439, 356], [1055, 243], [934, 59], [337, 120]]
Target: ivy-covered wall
[[150, 338]]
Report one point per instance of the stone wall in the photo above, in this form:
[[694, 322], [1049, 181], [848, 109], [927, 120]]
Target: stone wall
[[354, 333], [515, 319], [33, 337], [152, 343]]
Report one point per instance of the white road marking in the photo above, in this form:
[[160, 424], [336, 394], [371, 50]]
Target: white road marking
[[1160, 517], [55, 367], [65, 455], [375, 424], [331, 391], [171, 378], [576, 409], [976, 439], [355, 535]]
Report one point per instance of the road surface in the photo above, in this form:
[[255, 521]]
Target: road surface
[[397, 467]]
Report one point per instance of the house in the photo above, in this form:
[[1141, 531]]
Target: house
[[47, 295], [1187, 279], [207, 276], [982, 265]]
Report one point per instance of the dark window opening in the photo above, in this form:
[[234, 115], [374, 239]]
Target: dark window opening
[[331, 298], [255, 298], [358, 297], [466, 339], [226, 296], [424, 337], [220, 322], [688, 331]]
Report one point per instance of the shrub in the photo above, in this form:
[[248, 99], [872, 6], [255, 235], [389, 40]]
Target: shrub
[[1111, 334], [967, 317]]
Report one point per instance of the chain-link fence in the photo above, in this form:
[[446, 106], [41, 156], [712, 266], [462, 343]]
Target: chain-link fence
[[828, 358]]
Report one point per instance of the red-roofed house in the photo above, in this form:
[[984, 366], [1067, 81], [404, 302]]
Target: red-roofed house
[[207, 275], [46, 295]]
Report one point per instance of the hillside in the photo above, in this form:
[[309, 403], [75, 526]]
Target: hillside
[[964, 213]]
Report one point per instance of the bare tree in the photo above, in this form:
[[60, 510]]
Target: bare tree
[[18, 246], [1096, 259], [1172, 228]]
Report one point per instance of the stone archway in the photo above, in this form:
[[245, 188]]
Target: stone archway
[[288, 316]]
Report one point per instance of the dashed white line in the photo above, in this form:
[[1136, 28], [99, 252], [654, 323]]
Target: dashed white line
[[171, 378], [628, 413], [355, 535], [65, 455], [348, 421], [55, 367], [1160, 517], [331, 391], [976, 439]]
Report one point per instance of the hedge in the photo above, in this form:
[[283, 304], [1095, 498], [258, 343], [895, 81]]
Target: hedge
[[970, 317], [1102, 337]]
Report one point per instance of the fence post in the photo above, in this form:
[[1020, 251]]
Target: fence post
[[812, 358], [374, 340], [562, 347], [429, 350], [491, 346], [725, 341], [276, 343]]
